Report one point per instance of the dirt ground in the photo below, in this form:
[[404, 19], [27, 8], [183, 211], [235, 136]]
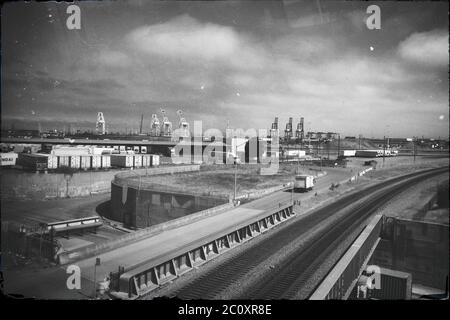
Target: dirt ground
[[409, 204], [220, 179]]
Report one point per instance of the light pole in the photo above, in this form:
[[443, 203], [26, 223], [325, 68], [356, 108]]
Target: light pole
[[292, 191], [235, 177], [235, 157], [386, 131]]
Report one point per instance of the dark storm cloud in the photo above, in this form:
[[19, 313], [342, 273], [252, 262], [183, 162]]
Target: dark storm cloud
[[246, 62]]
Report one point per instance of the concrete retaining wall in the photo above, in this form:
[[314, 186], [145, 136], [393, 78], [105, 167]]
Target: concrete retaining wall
[[416, 247], [140, 208], [25, 185], [139, 203]]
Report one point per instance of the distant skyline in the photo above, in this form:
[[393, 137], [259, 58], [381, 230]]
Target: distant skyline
[[243, 62]]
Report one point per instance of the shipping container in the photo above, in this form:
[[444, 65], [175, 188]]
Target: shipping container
[[155, 160], [63, 161], [146, 160], [85, 162], [367, 153], [96, 161], [70, 151], [18, 148], [394, 285], [26, 148], [52, 161], [304, 182], [32, 161], [295, 153], [75, 162], [101, 150], [137, 160], [8, 159], [122, 160], [106, 162], [347, 153]]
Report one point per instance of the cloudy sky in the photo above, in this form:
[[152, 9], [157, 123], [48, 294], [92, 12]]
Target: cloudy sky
[[242, 62]]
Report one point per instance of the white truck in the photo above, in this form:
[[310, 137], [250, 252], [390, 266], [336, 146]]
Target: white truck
[[304, 182]]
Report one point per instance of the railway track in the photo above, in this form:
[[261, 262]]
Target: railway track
[[285, 281]]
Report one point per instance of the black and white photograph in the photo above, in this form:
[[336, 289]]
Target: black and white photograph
[[244, 151]]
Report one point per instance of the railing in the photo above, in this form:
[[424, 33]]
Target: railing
[[89, 222], [143, 278]]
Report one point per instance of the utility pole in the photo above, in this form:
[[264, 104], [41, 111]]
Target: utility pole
[[292, 192], [235, 177], [384, 148], [414, 148]]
